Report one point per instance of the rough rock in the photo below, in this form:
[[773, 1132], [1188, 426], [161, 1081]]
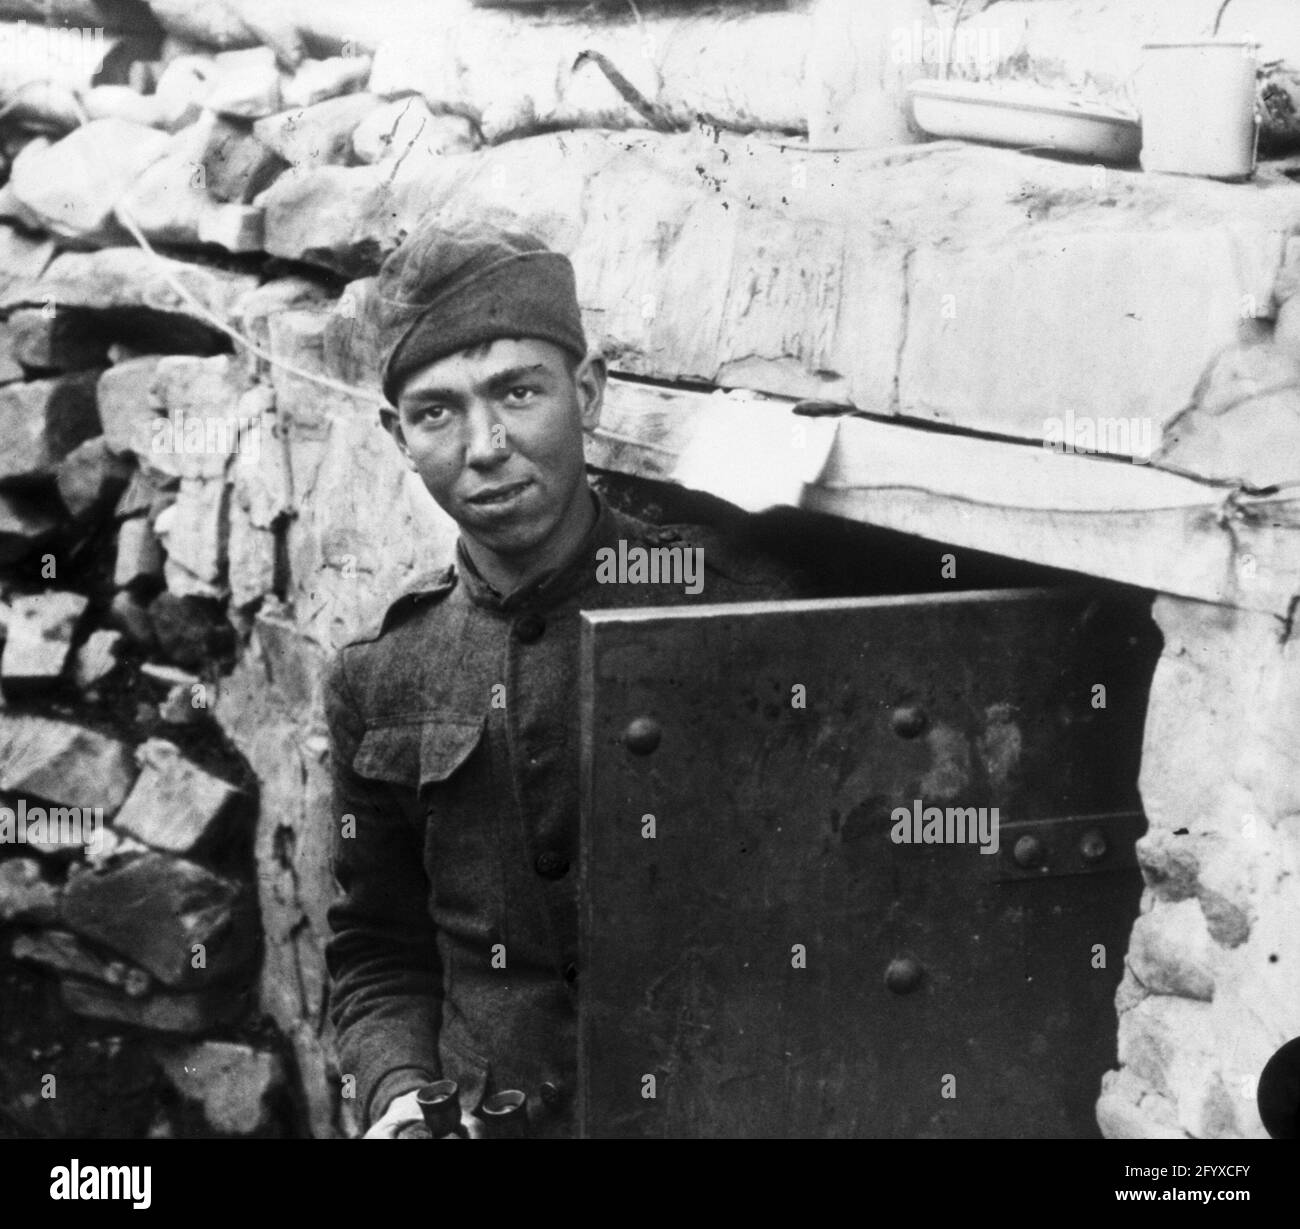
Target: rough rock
[[168, 197], [1169, 951], [236, 165], [340, 218], [233, 1082], [41, 631], [124, 103], [299, 343], [314, 81], [181, 89], [97, 658], [63, 763], [41, 421], [1243, 422], [155, 908], [25, 897], [148, 493], [1109, 326], [318, 135], [47, 341], [73, 184], [237, 228], [251, 558], [10, 368], [192, 631], [90, 478], [131, 617], [181, 582], [162, 1012], [202, 400], [139, 553], [127, 406], [23, 257], [62, 952], [123, 278], [254, 312], [407, 128], [175, 806], [24, 526], [194, 530], [245, 83]]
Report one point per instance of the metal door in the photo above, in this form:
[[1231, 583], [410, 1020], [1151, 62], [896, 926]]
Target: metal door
[[766, 956]]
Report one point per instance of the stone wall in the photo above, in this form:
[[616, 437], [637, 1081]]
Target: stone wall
[[1209, 990], [198, 452]]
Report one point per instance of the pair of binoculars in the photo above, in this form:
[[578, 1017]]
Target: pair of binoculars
[[504, 1115]]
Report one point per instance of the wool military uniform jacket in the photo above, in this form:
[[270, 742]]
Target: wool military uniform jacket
[[455, 747]]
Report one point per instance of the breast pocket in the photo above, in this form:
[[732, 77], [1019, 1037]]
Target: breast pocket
[[417, 753], [449, 789]]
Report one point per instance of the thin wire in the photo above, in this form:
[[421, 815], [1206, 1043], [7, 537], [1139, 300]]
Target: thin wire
[[212, 318]]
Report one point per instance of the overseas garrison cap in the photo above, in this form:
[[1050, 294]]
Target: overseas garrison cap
[[450, 285]]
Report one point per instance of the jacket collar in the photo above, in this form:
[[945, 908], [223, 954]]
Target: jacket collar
[[552, 587]]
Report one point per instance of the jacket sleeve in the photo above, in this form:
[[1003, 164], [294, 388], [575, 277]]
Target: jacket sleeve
[[382, 956]]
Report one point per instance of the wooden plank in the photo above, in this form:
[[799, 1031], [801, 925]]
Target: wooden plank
[[1125, 522]]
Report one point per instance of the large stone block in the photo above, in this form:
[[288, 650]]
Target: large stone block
[[235, 1084], [167, 198], [207, 426], [407, 129], [175, 806], [126, 279], [73, 184], [139, 553], [314, 81], [318, 135], [63, 763], [1169, 951], [237, 165], [187, 1014], [1105, 326], [1243, 423], [186, 926], [44, 420], [245, 84], [90, 478], [194, 530], [41, 630], [127, 407], [338, 218]]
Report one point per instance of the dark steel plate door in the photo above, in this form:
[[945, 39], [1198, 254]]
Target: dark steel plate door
[[771, 956]]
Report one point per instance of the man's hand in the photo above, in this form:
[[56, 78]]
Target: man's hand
[[403, 1114]]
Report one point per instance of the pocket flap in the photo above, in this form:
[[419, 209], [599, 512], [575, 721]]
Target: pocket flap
[[417, 752]]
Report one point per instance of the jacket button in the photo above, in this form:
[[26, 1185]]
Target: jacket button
[[551, 865], [529, 627], [571, 973]]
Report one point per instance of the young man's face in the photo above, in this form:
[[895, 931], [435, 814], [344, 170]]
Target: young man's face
[[495, 433]]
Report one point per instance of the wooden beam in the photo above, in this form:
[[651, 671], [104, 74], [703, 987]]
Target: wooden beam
[[1121, 521]]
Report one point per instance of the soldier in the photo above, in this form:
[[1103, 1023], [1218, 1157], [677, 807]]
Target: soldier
[[454, 718]]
